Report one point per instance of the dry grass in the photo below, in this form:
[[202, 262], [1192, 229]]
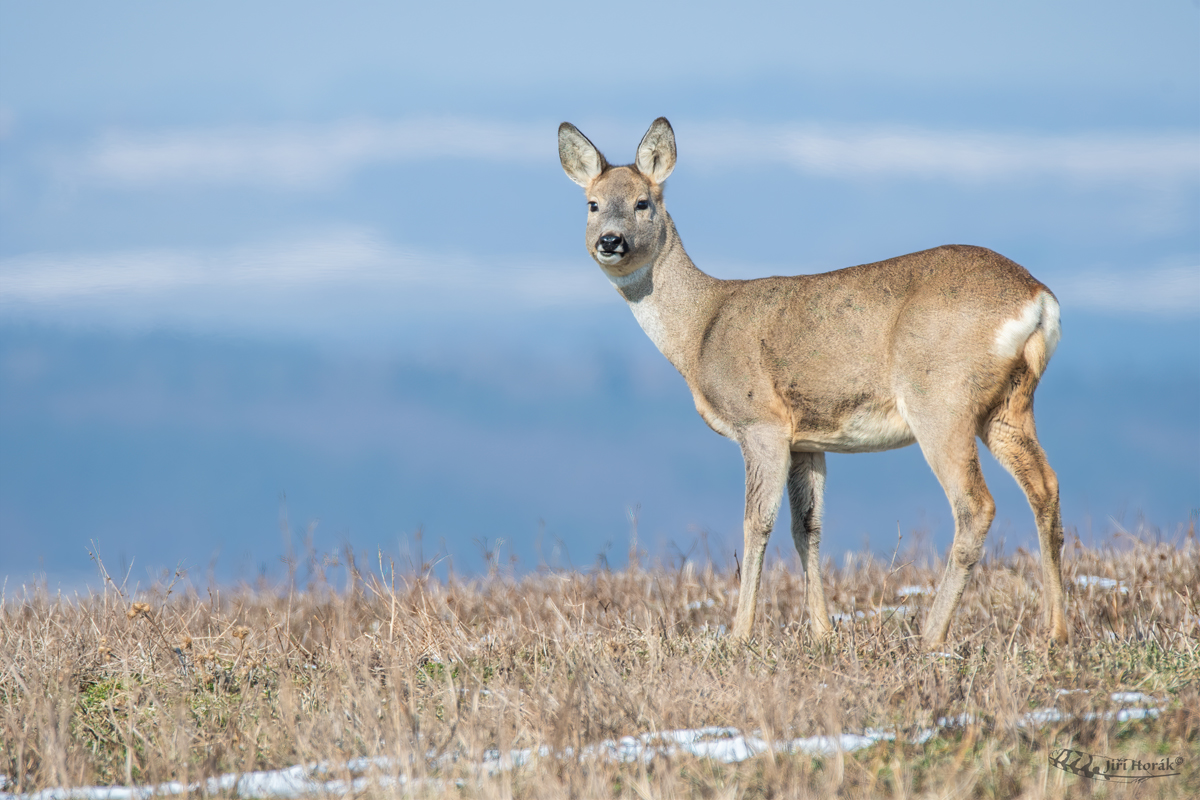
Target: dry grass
[[178, 685]]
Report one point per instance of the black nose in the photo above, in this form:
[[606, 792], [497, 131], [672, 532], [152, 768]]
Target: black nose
[[609, 242]]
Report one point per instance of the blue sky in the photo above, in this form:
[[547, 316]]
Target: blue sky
[[315, 267]]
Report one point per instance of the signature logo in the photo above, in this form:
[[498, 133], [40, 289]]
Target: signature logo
[[1124, 770]]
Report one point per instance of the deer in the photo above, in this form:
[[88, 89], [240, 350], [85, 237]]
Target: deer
[[938, 347]]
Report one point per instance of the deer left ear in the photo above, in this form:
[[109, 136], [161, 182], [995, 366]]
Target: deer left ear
[[656, 153]]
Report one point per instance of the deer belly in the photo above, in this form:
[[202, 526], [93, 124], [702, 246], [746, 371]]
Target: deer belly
[[865, 428]]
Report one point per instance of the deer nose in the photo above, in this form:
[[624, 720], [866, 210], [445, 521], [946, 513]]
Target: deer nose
[[609, 242]]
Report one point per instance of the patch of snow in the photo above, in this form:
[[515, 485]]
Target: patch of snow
[[1133, 697], [870, 612], [957, 721], [1084, 581], [725, 745]]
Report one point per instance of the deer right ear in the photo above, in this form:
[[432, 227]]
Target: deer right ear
[[580, 159]]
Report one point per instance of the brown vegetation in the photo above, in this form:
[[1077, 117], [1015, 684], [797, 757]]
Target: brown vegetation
[[437, 677]]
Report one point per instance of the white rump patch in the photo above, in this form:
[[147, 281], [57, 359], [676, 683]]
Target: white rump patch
[[1051, 323], [1041, 312]]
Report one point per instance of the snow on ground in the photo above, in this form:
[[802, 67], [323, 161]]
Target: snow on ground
[[1084, 581], [870, 612], [726, 745]]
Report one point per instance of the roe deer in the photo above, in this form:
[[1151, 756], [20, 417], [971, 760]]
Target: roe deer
[[936, 347]]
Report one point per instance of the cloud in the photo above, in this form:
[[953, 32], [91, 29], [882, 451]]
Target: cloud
[[348, 279], [948, 155], [353, 285], [312, 156], [343, 256], [348, 257], [298, 156], [1171, 291]]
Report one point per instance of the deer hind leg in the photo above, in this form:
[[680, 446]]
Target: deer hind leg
[[954, 458], [1009, 433], [765, 450], [806, 491]]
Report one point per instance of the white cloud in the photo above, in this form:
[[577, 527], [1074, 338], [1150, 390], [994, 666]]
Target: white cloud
[[306, 155], [348, 280], [353, 283], [346, 258], [970, 156], [343, 256], [1172, 291], [298, 156]]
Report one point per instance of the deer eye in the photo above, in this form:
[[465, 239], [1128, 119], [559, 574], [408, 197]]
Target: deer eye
[[642, 205], [593, 205]]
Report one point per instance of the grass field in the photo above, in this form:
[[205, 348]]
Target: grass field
[[525, 687]]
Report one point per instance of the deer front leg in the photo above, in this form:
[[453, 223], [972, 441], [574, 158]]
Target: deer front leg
[[806, 492], [765, 450]]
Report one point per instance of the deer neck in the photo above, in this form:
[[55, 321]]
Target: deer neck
[[671, 299]]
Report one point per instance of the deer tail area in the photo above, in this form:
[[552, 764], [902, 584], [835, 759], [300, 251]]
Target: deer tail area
[[1047, 330]]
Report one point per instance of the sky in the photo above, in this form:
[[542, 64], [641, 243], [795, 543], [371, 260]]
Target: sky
[[281, 278]]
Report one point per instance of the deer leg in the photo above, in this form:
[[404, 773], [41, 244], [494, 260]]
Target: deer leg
[[956, 464], [806, 494], [1011, 437], [765, 451]]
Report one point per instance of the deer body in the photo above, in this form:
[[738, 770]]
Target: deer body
[[936, 347]]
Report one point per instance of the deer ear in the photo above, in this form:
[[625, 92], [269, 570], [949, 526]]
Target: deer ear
[[656, 153], [580, 159]]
